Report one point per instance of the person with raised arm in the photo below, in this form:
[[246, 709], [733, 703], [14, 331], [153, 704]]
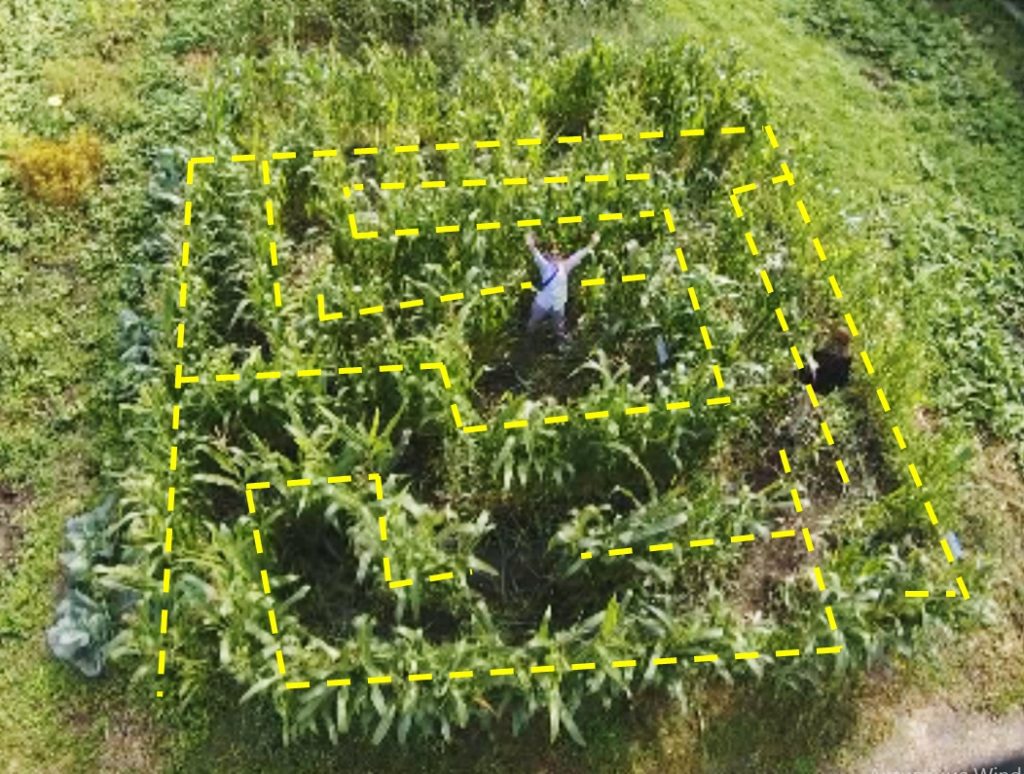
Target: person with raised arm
[[553, 290]]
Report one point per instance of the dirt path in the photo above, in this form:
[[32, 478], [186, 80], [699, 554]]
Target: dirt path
[[938, 738]]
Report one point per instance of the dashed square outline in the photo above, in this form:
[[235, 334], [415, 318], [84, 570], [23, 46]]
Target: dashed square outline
[[912, 469]]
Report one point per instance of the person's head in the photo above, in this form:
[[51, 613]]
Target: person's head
[[840, 338], [555, 252]]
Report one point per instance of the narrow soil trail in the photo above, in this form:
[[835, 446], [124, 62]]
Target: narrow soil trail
[[940, 738]]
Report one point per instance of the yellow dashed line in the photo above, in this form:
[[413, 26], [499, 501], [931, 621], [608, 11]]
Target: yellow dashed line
[[867, 362], [912, 468], [807, 540], [751, 245], [818, 578], [842, 472], [882, 399], [946, 550], [963, 587], [899, 437], [705, 336], [825, 431], [834, 283], [805, 216], [796, 358], [719, 381], [851, 324], [782, 319], [796, 500]]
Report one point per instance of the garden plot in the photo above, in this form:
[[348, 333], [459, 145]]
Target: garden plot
[[359, 233], [429, 524]]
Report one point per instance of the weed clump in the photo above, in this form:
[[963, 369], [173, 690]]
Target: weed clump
[[58, 172]]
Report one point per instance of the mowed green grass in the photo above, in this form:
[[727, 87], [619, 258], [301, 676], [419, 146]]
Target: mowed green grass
[[66, 277]]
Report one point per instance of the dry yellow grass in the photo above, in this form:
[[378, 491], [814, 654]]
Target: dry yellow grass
[[58, 172]]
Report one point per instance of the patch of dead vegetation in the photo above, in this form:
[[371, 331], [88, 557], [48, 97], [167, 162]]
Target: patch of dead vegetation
[[128, 744], [12, 504]]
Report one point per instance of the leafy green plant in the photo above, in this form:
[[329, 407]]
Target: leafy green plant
[[81, 633], [84, 627]]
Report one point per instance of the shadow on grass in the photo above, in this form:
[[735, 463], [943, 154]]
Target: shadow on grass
[[764, 729], [996, 28], [219, 737], [743, 728]]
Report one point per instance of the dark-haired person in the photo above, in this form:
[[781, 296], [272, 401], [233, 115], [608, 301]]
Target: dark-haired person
[[553, 290], [828, 367]]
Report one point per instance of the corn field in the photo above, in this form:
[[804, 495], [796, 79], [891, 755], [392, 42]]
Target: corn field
[[519, 517]]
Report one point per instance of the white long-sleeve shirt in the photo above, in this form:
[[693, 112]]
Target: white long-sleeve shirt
[[556, 273]]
